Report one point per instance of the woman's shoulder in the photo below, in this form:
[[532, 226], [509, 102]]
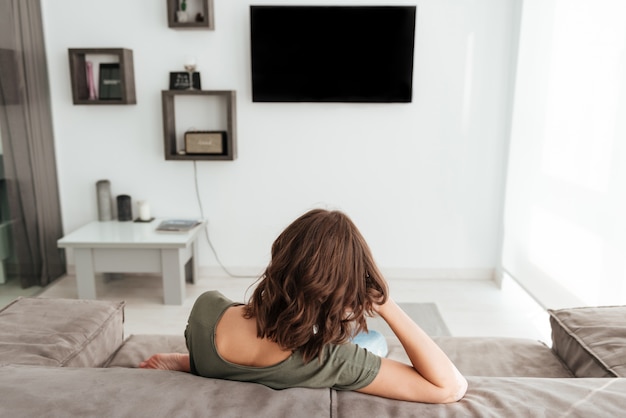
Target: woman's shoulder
[[214, 296], [211, 304]]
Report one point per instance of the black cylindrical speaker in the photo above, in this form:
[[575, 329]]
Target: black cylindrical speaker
[[124, 208]]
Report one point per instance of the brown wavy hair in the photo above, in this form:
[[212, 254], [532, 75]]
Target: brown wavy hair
[[320, 284]]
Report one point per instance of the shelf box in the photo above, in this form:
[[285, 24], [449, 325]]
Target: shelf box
[[78, 73], [204, 7], [173, 141]]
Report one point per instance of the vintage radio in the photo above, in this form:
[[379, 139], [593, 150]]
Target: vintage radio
[[205, 142]]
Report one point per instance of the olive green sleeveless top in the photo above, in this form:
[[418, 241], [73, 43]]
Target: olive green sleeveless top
[[345, 366]]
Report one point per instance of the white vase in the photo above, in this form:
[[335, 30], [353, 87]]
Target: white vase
[[181, 16]]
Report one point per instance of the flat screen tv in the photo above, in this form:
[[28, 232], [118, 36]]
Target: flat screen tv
[[332, 53]]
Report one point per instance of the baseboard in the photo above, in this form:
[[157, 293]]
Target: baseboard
[[390, 273], [233, 271], [439, 274], [498, 276]]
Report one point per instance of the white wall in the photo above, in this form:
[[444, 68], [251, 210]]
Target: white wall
[[566, 193], [423, 181]]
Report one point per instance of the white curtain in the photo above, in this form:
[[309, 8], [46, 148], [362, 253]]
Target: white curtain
[[565, 208]]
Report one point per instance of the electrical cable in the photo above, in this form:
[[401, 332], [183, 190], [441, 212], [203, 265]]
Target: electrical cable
[[206, 230]]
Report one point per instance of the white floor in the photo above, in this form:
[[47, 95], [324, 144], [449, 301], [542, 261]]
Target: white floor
[[469, 307], [11, 290]]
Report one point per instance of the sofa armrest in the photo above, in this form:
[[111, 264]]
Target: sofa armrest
[[591, 340], [60, 332]]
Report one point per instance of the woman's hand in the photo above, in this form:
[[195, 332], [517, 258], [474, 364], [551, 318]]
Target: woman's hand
[[379, 308], [376, 308], [377, 293], [167, 361]]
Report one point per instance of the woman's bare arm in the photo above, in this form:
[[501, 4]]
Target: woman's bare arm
[[433, 378]]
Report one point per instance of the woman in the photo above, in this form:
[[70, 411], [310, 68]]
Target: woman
[[295, 331]]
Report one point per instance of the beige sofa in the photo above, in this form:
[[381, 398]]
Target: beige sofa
[[64, 358]]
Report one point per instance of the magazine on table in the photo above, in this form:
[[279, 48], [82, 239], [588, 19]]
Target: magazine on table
[[178, 225]]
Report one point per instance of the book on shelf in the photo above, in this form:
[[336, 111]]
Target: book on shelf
[[178, 225], [110, 81]]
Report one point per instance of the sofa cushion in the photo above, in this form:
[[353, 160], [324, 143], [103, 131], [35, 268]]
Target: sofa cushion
[[494, 356], [60, 332], [39, 391], [498, 397], [591, 340]]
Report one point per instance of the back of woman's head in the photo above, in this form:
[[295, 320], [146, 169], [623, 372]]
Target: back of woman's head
[[319, 285]]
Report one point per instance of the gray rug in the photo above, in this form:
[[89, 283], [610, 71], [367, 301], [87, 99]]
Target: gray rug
[[426, 315]]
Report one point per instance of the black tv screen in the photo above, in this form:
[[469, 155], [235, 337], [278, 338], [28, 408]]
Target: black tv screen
[[332, 53]]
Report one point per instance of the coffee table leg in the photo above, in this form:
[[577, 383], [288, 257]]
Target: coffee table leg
[[85, 276], [194, 262], [173, 270]]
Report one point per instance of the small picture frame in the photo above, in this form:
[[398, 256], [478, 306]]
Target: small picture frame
[[179, 80]]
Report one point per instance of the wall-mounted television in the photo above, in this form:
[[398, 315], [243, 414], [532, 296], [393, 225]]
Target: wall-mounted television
[[332, 53]]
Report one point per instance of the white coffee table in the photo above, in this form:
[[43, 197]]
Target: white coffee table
[[133, 247]]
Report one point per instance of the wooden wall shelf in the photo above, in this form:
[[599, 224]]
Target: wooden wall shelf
[[172, 142], [194, 7], [78, 74]]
